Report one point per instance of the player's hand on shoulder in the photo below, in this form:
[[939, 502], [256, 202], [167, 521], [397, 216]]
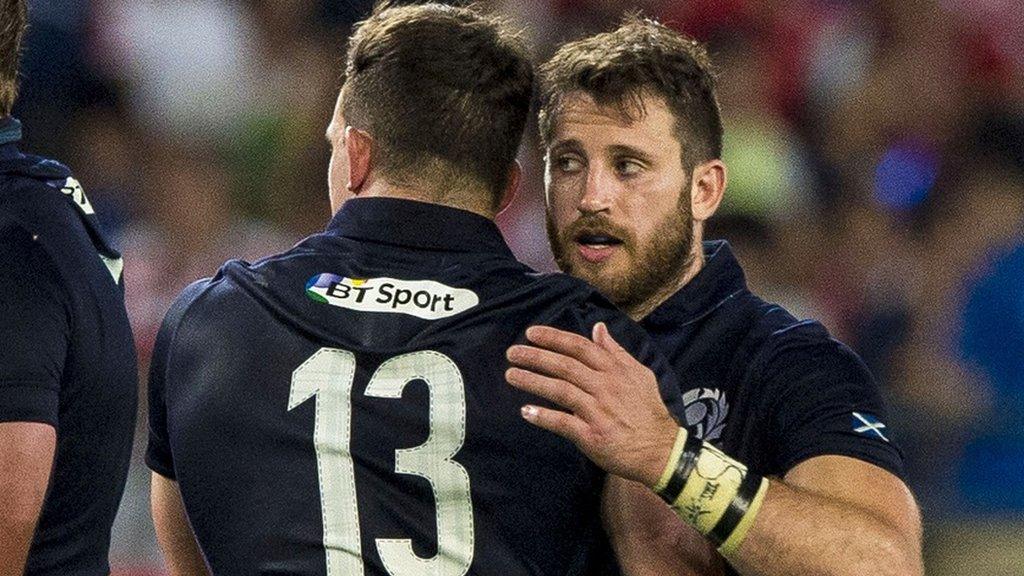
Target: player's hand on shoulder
[[614, 411]]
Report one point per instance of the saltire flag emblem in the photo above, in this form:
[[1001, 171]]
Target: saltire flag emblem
[[868, 425]]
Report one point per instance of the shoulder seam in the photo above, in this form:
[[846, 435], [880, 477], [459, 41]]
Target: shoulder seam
[[758, 360], [181, 320], [799, 324]]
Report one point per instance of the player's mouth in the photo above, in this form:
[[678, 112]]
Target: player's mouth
[[596, 248]]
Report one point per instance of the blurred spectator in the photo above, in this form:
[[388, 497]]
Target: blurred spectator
[[188, 228], [106, 154], [189, 63], [991, 341], [54, 75], [767, 172]]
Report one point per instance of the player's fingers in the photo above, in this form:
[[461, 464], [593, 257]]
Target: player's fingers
[[565, 425], [557, 391], [551, 364], [568, 344], [603, 338]]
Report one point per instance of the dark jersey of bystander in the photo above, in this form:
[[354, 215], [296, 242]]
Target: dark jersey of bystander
[[66, 354]]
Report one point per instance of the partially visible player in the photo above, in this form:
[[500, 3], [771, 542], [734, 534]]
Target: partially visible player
[[68, 380], [340, 409], [785, 466]]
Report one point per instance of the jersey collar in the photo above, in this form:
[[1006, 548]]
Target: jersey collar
[[720, 279], [418, 225]]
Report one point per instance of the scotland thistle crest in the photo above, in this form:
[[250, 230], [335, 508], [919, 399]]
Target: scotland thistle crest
[[706, 410]]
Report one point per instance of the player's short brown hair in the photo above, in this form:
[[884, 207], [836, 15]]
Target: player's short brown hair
[[444, 91], [13, 17], [641, 57]]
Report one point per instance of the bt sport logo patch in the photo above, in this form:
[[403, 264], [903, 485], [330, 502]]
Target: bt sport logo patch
[[425, 299]]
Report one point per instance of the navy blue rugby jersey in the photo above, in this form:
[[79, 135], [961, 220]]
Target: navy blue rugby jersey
[[341, 408], [66, 354], [767, 389]]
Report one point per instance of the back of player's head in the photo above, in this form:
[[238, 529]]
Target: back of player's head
[[641, 57], [13, 15], [445, 93]]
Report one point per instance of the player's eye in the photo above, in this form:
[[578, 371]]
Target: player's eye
[[568, 164], [628, 167]]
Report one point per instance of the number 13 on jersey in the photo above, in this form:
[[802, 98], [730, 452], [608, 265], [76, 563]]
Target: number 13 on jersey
[[328, 376]]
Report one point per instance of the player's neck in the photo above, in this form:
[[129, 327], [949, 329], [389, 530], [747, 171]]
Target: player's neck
[[382, 189], [689, 272]]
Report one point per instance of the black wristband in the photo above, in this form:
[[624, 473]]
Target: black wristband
[[687, 461], [737, 509]]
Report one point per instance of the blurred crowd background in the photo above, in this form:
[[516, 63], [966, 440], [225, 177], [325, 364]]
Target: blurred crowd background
[[876, 162]]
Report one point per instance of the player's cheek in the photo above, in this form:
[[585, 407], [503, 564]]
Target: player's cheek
[[564, 193]]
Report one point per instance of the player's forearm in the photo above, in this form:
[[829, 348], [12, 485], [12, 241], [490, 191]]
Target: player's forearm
[[648, 538], [800, 533], [26, 456], [15, 539], [173, 532], [831, 515], [19, 513]]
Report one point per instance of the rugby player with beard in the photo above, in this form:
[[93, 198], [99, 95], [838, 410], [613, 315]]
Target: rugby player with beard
[[785, 465]]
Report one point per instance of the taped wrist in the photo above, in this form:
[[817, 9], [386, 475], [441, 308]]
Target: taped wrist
[[710, 491]]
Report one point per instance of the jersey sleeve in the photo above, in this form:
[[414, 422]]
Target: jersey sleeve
[[159, 456], [825, 402], [35, 327]]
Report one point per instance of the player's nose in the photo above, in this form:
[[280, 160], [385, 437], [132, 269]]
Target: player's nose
[[598, 192]]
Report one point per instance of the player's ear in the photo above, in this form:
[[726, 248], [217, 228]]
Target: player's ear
[[359, 148], [707, 187], [515, 176]]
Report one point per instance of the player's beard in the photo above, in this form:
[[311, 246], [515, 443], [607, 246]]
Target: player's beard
[[654, 268]]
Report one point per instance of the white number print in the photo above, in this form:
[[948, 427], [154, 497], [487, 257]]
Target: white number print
[[433, 461], [328, 375]]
